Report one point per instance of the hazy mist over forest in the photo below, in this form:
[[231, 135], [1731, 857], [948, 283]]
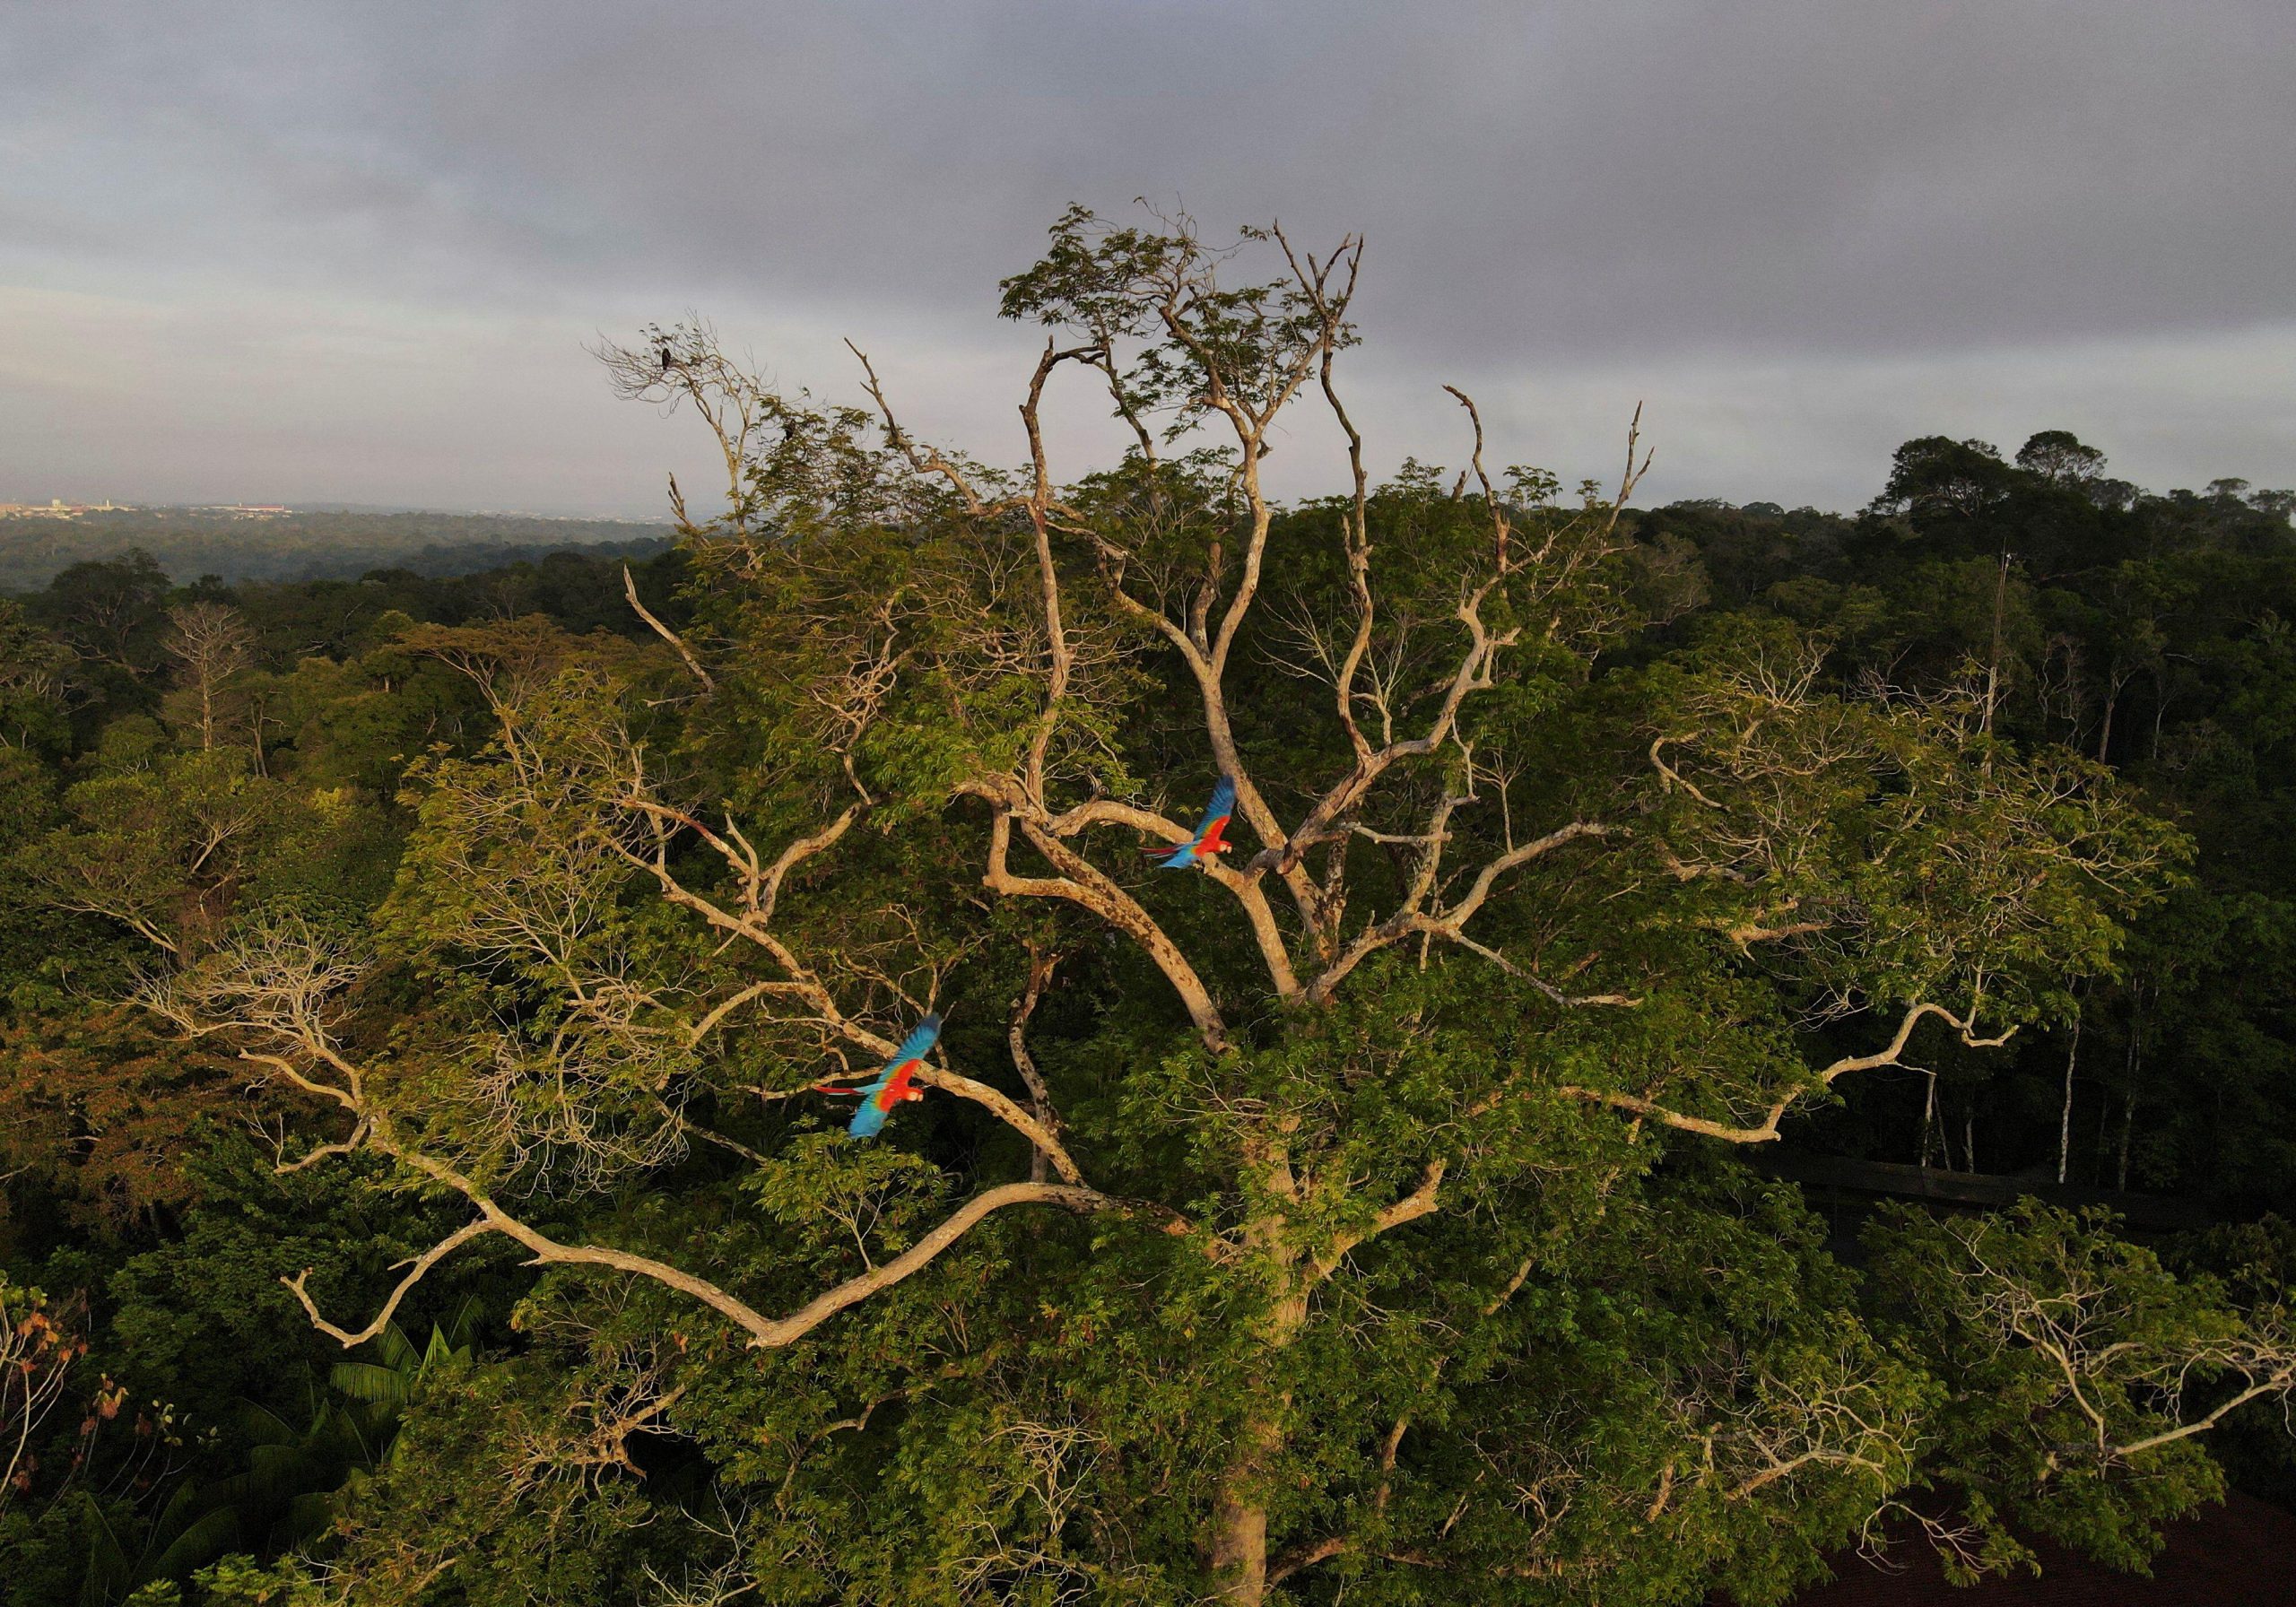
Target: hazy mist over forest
[[295, 252]]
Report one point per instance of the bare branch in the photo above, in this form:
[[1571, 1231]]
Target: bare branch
[[926, 459], [2280, 1381], [1041, 969], [1082, 883], [769, 1332], [419, 1268], [1246, 889], [1569, 1000], [1767, 1130], [1421, 1200], [1411, 920], [1499, 528], [629, 585], [765, 1333]]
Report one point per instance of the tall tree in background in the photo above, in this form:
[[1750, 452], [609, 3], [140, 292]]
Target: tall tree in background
[[213, 649], [33, 667], [1379, 1232]]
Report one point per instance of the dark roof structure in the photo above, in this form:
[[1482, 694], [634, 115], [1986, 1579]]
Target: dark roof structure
[[2240, 1554]]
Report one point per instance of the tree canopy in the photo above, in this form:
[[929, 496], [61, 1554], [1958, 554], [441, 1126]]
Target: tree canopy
[[1366, 1214]]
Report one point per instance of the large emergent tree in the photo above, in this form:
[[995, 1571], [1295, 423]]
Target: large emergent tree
[[1359, 1215]]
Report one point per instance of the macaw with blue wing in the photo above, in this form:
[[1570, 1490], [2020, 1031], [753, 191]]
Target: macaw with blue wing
[[1210, 838], [894, 1085]]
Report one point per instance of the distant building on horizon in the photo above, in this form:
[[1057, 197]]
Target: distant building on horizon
[[56, 508]]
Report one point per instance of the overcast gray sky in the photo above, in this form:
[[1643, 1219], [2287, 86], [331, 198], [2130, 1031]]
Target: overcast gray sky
[[316, 252]]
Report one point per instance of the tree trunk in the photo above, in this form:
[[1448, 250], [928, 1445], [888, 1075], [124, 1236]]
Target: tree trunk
[[2128, 1090], [2112, 700], [1928, 1113], [2064, 1119], [1237, 1547], [2128, 1124], [1993, 654]]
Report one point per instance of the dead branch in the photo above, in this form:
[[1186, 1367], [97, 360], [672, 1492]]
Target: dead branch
[[630, 586], [1411, 919], [1246, 889], [1767, 1130], [419, 1267], [765, 1333], [1041, 969]]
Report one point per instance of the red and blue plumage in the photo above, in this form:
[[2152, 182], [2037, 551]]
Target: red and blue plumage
[[1210, 838], [894, 1084]]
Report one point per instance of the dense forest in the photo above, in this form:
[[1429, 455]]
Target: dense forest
[[425, 998], [304, 544]]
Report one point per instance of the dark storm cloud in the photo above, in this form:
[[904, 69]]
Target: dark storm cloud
[[1587, 186]]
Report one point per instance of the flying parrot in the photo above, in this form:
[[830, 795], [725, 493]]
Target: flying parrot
[[894, 1084], [1207, 841]]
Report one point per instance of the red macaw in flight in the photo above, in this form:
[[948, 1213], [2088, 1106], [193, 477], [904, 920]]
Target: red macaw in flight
[[1209, 839], [894, 1084]]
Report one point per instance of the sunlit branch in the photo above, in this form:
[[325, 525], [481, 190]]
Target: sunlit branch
[[1082, 883], [418, 1268], [1412, 920], [1016, 1035], [925, 458], [630, 586], [1247, 889], [1767, 1130], [1421, 1202]]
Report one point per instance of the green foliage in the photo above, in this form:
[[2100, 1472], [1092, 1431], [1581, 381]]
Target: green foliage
[[2074, 1354], [1385, 1237], [157, 840], [32, 680]]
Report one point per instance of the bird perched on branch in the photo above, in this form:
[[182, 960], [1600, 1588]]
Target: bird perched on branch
[[894, 1084], [1208, 840]]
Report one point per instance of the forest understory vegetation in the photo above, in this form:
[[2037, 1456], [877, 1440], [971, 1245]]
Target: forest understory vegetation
[[417, 994]]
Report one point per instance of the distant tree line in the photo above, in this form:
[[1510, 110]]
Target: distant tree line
[[418, 995], [187, 543], [2151, 632]]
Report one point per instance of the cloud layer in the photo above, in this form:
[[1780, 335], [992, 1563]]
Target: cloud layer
[[351, 252]]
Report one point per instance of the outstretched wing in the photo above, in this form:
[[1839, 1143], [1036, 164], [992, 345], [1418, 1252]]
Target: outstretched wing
[[1223, 805], [917, 1046], [870, 1119], [1185, 855]]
